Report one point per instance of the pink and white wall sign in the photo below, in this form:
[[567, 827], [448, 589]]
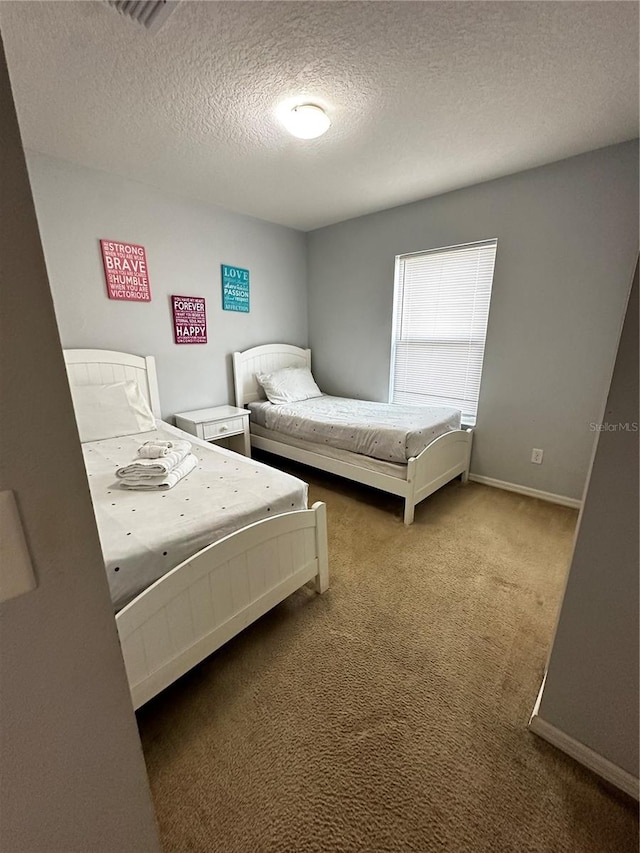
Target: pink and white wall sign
[[189, 319], [125, 269]]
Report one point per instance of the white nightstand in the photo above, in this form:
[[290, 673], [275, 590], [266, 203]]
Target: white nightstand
[[221, 422]]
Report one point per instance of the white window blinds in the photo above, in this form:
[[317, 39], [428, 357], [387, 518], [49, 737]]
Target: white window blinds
[[440, 315]]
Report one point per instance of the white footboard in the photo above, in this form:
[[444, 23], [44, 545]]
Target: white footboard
[[203, 602], [445, 458]]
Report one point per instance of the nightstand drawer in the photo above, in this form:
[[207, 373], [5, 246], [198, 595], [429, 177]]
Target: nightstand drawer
[[215, 430]]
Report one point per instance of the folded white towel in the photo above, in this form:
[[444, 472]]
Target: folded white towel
[[166, 481], [154, 449], [156, 467]]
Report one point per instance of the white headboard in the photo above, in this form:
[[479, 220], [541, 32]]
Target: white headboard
[[101, 366], [263, 359]]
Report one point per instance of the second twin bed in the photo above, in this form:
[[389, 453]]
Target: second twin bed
[[408, 451]]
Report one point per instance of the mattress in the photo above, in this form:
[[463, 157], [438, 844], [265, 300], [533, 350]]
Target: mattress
[[390, 469], [385, 431], [145, 534]]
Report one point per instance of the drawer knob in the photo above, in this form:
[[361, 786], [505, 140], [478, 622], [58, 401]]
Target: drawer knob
[[224, 428]]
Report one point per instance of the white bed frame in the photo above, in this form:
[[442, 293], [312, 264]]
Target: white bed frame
[[196, 607], [445, 458]]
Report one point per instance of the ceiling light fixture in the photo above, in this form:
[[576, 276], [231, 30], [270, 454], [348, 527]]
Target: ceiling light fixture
[[306, 121]]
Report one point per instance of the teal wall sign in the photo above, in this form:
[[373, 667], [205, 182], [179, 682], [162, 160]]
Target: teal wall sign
[[235, 288]]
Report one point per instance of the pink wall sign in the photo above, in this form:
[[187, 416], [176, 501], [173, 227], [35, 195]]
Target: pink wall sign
[[189, 319], [125, 269]]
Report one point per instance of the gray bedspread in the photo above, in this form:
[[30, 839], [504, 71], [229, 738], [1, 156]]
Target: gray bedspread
[[385, 431]]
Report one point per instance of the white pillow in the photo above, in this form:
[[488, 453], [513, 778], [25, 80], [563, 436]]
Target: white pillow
[[109, 411], [289, 385]]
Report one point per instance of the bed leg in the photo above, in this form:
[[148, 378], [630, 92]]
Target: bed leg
[[409, 509], [322, 578], [465, 473]]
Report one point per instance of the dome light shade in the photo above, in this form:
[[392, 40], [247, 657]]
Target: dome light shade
[[306, 121]]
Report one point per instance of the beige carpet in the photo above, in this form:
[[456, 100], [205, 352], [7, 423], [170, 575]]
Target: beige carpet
[[389, 714]]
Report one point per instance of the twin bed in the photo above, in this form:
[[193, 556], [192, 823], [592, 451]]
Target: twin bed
[[190, 567], [434, 449]]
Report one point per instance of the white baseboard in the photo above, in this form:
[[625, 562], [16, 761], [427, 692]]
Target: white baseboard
[[586, 756], [575, 503]]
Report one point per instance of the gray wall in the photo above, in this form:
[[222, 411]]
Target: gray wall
[[185, 241], [591, 690], [72, 775], [567, 239]]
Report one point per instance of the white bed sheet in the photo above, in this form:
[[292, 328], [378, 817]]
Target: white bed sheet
[[145, 534], [390, 432]]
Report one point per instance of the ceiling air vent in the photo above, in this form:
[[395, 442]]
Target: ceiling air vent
[[150, 13]]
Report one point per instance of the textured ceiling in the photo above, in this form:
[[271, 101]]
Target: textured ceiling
[[423, 97]]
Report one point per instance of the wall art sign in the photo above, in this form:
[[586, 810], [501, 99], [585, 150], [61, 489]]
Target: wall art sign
[[189, 319], [125, 270], [235, 289]]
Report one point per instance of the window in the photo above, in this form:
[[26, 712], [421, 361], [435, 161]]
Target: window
[[440, 314]]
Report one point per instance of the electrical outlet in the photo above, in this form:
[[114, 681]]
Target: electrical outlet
[[536, 455]]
